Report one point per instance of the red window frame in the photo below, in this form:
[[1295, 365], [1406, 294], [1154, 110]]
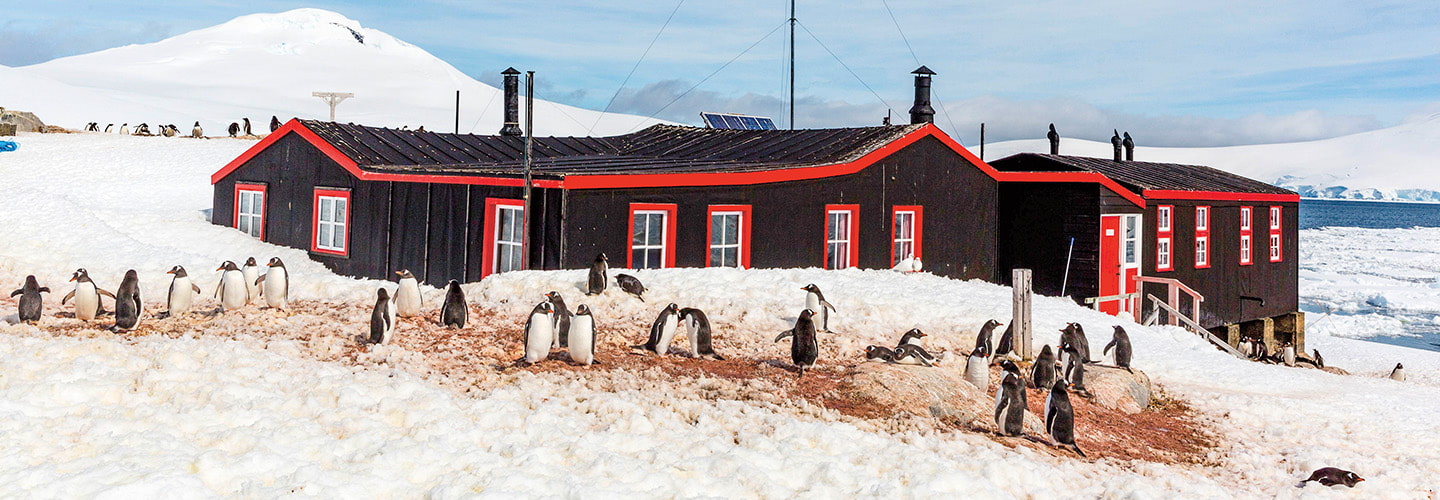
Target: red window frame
[[264, 209], [1247, 236], [670, 210], [915, 234], [315, 219], [744, 231], [492, 228], [1202, 237], [1276, 238], [854, 235], [1164, 237]]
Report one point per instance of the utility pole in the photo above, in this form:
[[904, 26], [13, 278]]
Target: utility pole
[[529, 139], [333, 99], [792, 64]]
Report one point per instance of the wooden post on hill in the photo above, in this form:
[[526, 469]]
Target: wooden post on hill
[[1020, 284]]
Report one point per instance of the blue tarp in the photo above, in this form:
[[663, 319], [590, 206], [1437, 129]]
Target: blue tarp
[[8, 146]]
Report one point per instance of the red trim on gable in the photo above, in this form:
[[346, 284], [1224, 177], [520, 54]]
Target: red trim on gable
[[315, 220], [492, 228], [853, 241], [264, 202], [1218, 196], [917, 231], [670, 210], [744, 231]]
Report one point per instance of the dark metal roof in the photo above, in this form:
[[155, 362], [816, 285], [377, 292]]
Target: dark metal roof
[[657, 149], [1139, 176]]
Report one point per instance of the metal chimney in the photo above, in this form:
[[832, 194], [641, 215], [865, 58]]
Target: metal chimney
[[1129, 145], [512, 103], [1115, 144], [1054, 140], [921, 112]]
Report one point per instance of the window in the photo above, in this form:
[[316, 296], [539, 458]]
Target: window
[[1246, 231], [250, 209], [332, 221], [1132, 240], [1275, 255], [504, 248], [729, 236], [652, 236], [905, 229], [842, 222], [1164, 232], [1202, 237]]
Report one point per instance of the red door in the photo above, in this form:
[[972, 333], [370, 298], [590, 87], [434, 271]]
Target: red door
[[1110, 262]]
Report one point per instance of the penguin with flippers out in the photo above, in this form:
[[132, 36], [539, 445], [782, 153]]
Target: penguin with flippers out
[[275, 284], [181, 293], [31, 303], [86, 295], [815, 301]]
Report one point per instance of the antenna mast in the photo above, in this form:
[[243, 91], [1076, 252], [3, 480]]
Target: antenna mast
[[792, 64]]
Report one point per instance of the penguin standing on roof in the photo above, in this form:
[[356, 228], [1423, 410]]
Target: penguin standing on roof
[[407, 297], [127, 303], [31, 302], [698, 330], [86, 295], [181, 294], [815, 301], [598, 275], [1010, 401], [275, 284], [1121, 343], [805, 346], [1060, 417], [455, 311]]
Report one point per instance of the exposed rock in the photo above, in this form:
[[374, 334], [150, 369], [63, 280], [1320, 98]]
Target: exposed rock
[[1116, 388], [920, 391], [1335, 370]]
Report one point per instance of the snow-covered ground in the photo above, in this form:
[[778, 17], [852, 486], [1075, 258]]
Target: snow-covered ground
[[231, 414], [261, 65]]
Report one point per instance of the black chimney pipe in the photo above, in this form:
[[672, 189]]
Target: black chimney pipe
[[512, 103], [1115, 144], [921, 112], [1129, 147], [1054, 140]]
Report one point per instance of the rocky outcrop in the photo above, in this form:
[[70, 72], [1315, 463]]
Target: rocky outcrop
[[1116, 388], [920, 391]]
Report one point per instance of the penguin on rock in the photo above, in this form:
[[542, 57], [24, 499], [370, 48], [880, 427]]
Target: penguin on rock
[[1121, 343]]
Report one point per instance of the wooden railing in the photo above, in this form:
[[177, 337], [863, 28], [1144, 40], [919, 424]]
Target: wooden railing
[[1173, 289], [1156, 305]]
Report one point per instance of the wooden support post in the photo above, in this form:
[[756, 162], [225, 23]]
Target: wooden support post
[[1232, 335], [1291, 327], [1174, 302], [1020, 313]]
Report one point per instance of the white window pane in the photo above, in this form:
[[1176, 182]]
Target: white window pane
[[732, 229], [655, 230], [340, 206], [325, 240]]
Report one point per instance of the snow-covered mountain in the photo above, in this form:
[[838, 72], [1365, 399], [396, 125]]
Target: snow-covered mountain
[[268, 64], [1397, 163]]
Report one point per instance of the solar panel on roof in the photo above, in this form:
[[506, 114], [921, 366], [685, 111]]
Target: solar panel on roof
[[731, 121]]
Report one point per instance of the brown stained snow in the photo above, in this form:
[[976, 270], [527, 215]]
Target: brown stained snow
[[483, 355]]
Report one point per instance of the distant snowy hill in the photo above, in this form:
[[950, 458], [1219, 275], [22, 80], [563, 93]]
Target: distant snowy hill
[[268, 64], [1397, 163]]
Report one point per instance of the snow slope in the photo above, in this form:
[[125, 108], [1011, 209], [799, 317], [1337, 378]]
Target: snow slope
[[1396, 163], [234, 415], [268, 64]]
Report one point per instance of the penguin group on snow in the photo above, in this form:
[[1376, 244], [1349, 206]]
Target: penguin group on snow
[[236, 129]]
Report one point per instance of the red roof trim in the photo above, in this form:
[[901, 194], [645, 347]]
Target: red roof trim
[[1218, 196]]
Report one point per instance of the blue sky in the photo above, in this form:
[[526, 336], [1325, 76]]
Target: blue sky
[[1173, 73]]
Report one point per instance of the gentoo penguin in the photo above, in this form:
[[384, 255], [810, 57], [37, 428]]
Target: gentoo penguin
[[127, 302], [815, 301], [382, 318], [581, 335], [1010, 401], [598, 277], [30, 300], [1330, 476], [274, 123], [538, 330], [1397, 374], [251, 272], [562, 319], [1042, 374], [1287, 353], [977, 369], [179, 297], [1074, 368], [1074, 335], [455, 311], [1319, 360], [912, 337], [1121, 343], [804, 347], [86, 295], [197, 132], [911, 354], [246, 126], [168, 130], [879, 354], [232, 292], [631, 285], [697, 328], [985, 339], [1007, 341], [663, 330], [124, 129], [407, 297], [234, 129], [1060, 417], [275, 284], [109, 127]]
